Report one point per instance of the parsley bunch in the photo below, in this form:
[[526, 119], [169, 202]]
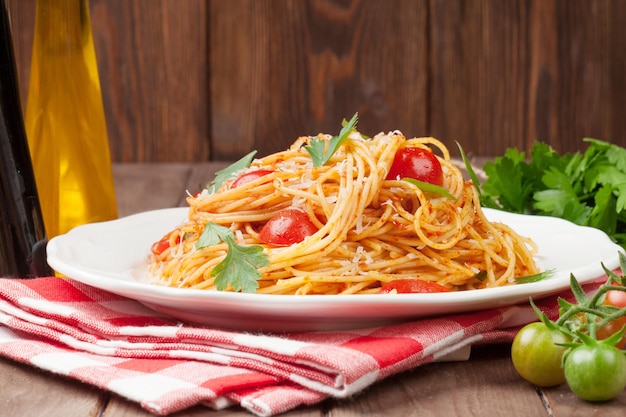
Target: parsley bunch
[[587, 188]]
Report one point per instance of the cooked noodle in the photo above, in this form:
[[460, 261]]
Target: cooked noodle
[[371, 230]]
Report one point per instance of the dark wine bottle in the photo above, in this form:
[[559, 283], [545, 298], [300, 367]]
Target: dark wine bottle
[[22, 234]]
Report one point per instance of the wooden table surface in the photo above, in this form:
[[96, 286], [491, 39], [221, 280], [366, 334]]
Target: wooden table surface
[[485, 385]]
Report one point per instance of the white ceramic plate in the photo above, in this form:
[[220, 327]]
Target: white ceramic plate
[[112, 256]]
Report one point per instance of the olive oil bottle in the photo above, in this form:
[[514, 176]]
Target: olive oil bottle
[[65, 120]]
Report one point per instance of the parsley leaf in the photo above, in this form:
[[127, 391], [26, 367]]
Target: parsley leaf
[[507, 183], [229, 172], [321, 150], [603, 216], [535, 277], [560, 200], [470, 169], [239, 268], [212, 235]]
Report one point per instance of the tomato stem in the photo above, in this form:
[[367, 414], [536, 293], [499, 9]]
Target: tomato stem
[[590, 313], [613, 316]]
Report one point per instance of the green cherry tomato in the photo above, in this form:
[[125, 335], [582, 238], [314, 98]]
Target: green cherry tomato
[[596, 372], [536, 355]]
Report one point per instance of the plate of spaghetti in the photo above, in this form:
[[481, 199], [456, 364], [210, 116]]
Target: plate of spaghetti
[[335, 232]]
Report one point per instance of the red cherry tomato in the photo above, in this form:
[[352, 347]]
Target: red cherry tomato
[[162, 245], [412, 286], [616, 298], [250, 176], [287, 227], [417, 163], [610, 329]]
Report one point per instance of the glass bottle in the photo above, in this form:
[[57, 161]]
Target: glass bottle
[[22, 233], [65, 120]]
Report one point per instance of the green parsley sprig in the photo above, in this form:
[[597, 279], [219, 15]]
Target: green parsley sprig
[[322, 150], [239, 269], [587, 188], [534, 277], [229, 172]]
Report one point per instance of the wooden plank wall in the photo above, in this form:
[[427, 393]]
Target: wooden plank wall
[[197, 80]]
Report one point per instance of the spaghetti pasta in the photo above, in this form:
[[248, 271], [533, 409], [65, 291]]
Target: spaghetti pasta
[[370, 230]]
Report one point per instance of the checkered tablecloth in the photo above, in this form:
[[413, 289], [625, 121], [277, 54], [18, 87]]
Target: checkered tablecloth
[[119, 345]]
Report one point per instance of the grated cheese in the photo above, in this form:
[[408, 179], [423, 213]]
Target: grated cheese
[[239, 237]]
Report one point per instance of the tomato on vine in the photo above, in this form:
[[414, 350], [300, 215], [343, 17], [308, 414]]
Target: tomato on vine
[[537, 352], [616, 298], [595, 370], [582, 346], [612, 327]]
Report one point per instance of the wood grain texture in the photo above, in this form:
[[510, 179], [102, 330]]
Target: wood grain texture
[[428, 391], [152, 57], [564, 403], [507, 73], [199, 80], [284, 69], [22, 15], [27, 391], [475, 82]]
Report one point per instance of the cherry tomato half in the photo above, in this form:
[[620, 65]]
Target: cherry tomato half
[[287, 227], [417, 163], [412, 286], [536, 355], [250, 176]]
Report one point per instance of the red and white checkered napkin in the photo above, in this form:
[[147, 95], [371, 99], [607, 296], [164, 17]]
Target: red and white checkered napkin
[[119, 345]]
